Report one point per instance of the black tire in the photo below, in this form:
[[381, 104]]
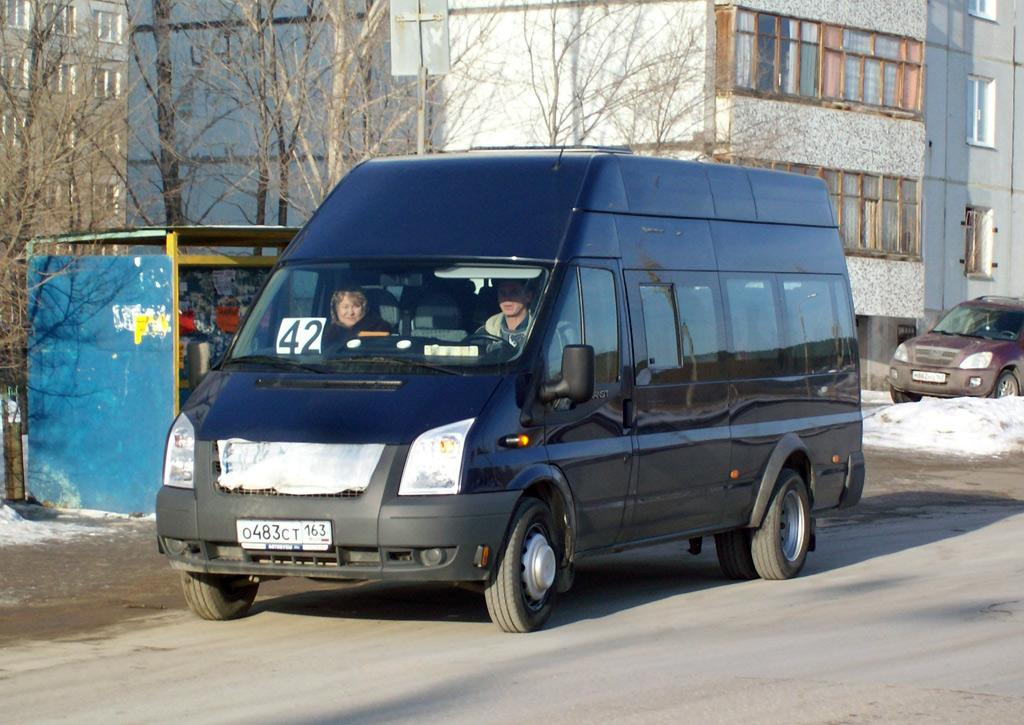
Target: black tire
[[781, 543], [216, 597], [734, 555], [899, 396], [522, 588], [1006, 385]]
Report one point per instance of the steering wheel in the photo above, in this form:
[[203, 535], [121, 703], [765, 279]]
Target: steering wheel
[[486, 339]]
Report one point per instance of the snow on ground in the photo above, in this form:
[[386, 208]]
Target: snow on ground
[[46, 524], [960, 427]]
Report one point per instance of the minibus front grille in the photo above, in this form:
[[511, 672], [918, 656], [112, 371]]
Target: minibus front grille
[[347, 493], [335, 558]]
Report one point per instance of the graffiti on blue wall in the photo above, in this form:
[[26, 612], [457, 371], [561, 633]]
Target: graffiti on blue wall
[[101, 379]]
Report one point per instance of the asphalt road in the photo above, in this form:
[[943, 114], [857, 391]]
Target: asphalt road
[[911, 610]]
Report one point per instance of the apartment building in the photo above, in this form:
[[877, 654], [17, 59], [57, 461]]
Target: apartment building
[[973, 178], [63, 115]]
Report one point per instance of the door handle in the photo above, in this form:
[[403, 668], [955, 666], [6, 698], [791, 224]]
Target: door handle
[[627, 414]]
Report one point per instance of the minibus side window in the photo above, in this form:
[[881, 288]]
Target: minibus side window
[[845, 332], [568, 327], [601, 322], [661, 331], [810, 320], [699, 326], [751, 311], [598, 325]]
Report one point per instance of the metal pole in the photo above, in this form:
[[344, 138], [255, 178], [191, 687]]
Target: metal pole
[[421, 86], [421, 112]]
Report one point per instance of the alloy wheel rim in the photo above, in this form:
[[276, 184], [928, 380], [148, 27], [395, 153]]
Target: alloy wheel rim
[[791, 525]]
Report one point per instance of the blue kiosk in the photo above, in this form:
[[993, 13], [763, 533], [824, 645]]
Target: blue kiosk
[[110, 315]]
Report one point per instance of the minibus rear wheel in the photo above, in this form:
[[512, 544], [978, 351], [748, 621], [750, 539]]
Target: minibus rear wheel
[[734, 556], [522, 588], [780, 544], [217, 597]]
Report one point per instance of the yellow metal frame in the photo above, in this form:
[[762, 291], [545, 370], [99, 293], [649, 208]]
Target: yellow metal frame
[[220, 238], [194, 241]]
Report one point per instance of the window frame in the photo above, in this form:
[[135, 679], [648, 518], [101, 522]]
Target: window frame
[[17, 14], [898, 75], [984, 9], [108, 26], [979, 241], [979, 103]]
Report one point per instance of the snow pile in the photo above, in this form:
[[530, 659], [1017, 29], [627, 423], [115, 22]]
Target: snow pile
[[962, 427], [15, 529]]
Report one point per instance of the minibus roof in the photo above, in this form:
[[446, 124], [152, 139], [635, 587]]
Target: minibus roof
[[505, 204]]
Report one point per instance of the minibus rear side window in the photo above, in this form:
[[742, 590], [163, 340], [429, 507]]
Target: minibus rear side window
[[811, 325], [751, 311]]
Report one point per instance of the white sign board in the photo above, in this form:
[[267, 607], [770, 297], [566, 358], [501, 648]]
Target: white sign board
[[419, 36]]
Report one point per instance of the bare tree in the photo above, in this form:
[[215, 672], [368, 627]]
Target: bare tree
[[261, 107], [62, 128], [620, 72]]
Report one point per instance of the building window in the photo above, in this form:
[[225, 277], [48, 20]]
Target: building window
[[982, 8], [777, 55], [108, 26], [980, 106], [107, 83], [63, 79], [16, 13], [12, 129], [108, 198], [14, 71], [62, 17], [978, 241]]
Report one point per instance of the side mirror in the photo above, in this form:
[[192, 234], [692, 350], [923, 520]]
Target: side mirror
[[197, 357], [577, 383]]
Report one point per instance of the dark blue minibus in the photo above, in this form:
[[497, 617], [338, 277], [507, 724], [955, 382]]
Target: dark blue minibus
[[481, 367]]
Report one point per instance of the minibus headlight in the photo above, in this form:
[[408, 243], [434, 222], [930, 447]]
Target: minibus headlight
[[901, 354], [977, 361], [434, 465], [180, 457]]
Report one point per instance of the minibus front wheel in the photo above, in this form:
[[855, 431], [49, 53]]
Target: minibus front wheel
[[522, 588], [780, 545], [218, 597]]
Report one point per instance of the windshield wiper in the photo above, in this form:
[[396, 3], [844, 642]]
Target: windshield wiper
[[279, 362], [392, 361]]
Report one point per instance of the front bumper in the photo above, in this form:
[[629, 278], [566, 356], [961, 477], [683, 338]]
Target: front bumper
[[418, 539], [377, 535], [955, 382]]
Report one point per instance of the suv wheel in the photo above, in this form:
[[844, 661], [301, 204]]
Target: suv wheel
[[1006, 385], [898, 396]]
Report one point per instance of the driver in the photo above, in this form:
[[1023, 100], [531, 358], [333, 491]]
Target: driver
[[514, 320]]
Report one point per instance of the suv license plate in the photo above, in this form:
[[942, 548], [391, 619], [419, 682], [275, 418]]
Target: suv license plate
[[263, 534], [923, 376]]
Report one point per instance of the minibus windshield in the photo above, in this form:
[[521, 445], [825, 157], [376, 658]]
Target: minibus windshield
[[386, 317]]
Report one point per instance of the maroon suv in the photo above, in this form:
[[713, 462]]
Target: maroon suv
[[975, 349]]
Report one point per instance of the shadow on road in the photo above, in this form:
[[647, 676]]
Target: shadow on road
[[882, 525]]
